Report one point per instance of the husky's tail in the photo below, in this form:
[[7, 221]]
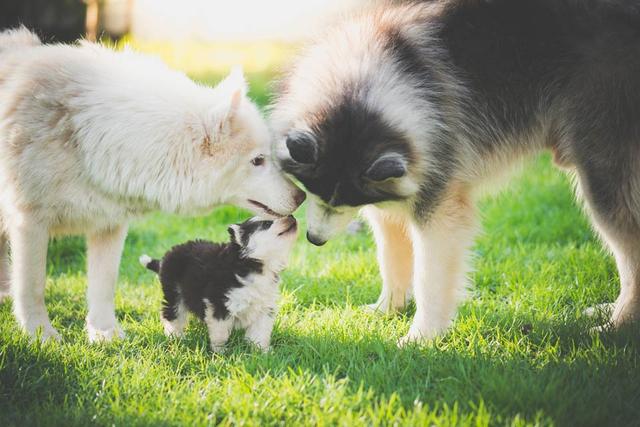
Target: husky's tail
[[151, 264], [17, 38]]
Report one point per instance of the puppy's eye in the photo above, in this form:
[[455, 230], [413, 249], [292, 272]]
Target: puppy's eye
[[258, 160]]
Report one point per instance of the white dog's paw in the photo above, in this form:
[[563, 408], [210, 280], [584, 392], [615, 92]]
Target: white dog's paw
[[5, 294], [42, 331], [97, 335], [600, 310], [218, 348]]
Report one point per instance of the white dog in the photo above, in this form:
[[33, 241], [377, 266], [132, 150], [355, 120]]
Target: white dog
[[90, 138]]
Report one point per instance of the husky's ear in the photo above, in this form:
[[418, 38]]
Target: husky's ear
[[302, 147], [389, 165], [234, 233]]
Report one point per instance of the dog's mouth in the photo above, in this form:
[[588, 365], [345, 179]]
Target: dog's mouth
[[265, 209], [293, 226]]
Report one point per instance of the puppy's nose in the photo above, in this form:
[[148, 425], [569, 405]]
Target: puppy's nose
[[299, 197]]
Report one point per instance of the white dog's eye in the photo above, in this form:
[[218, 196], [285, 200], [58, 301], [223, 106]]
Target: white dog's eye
[[257, 161]]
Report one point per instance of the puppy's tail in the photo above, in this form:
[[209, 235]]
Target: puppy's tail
[[18, 38], [151, 264]]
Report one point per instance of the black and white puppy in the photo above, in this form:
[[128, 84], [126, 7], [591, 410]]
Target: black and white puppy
[[227, 285]]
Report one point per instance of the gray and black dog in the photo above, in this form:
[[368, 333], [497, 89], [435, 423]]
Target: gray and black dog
[[411, 109]]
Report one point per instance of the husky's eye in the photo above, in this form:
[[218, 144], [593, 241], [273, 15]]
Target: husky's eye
[[258, 160]]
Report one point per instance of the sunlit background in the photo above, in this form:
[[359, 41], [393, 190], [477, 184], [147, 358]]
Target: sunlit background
[[197, 36]]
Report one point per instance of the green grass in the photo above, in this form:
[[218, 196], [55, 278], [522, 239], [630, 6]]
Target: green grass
[[518, 354]]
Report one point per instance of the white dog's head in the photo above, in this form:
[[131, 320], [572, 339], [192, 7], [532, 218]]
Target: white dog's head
[[237, 148]]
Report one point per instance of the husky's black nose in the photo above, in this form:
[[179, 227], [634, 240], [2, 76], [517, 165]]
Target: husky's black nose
[[315, 240], [299, 197]]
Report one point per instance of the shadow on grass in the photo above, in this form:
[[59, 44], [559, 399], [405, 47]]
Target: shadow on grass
[[574, 384]]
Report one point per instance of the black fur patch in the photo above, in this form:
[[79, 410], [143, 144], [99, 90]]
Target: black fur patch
[[198, 269]]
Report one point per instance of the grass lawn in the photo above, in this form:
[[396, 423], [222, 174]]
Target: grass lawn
[[518, 354]]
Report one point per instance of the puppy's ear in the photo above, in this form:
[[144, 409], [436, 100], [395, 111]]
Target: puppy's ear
[[235, 233], [302, 147], [389, 165]]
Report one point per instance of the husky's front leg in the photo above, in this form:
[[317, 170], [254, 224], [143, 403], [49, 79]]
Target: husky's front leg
[[441, 249], [29, 240], [395, 259], [104, 252]]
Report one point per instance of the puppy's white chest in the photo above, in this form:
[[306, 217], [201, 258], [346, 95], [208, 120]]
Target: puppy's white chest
[[258, 297]]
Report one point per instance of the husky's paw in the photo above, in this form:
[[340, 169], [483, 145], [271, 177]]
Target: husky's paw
[[97, 335], [378, 308], [421, 334]]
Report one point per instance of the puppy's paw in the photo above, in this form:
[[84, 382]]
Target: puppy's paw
[[172, 329], [109, 334]]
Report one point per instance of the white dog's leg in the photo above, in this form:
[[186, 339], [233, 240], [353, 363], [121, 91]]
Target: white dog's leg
[[219, 329], [440, 259], [395, 258], [29, 240], [259, 332], [103, 261], [5, 281]]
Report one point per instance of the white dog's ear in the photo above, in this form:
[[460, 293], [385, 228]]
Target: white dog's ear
[[231, 91], [389, 165]]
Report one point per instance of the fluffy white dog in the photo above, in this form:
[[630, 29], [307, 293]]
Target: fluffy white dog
[[90, 138]]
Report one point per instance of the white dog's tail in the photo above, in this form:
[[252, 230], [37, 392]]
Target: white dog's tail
[[150, 263], [18, 38]]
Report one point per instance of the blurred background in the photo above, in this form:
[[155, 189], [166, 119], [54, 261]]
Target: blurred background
[[200, 37]]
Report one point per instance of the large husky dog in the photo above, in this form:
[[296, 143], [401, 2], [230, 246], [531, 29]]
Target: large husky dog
[[410, 109], [90, 137]]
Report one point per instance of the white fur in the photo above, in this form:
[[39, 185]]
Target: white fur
[[90, 138], [144, 260]]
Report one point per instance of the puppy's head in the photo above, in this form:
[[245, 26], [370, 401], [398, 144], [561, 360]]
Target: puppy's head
[[237, 147], [269, 241]]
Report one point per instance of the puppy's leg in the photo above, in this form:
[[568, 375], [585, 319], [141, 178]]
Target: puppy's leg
[[395, 258], [219, 328], [5, 289], [259, 332], [174, 311], [29, 240], [104, 252], [440, 265]]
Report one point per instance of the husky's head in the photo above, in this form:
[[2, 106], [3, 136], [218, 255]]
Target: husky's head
[[349, 159], [354, 119], [267, 241], [237, 149]]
